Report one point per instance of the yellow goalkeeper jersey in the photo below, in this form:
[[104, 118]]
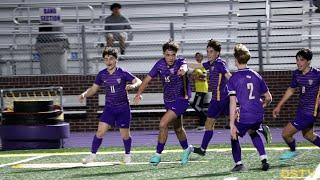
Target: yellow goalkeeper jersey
[[200, 85]]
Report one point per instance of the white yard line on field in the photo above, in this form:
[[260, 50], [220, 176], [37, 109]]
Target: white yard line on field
[[149, 151], [315, 175], [23, 161], [94, 164]]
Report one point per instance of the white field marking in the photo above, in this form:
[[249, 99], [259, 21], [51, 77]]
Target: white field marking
[[23, 161], [150, 151], [315, 175], [94, 164], [230, 178]]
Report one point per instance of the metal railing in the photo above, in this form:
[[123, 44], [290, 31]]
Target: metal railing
[[19, 54]]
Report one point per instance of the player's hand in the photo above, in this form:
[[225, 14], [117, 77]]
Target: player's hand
[[181, 72], [137, 99], [233, 132], [81, 98], [276, 112], [238, 114], [129, 87]]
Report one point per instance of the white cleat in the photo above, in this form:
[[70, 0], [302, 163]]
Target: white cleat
[[127, 158], [89, 159]]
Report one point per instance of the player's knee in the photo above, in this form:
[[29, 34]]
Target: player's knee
[[285, 135], [179, 130], [125, 136], [100, 134], [309, 137], [209, 125], [163, 125]]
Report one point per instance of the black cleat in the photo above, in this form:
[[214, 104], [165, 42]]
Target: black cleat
[[265, 166], [238, 168], [199, 151]]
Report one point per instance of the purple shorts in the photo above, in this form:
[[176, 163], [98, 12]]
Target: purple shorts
[[178, 106], [117, 117], [303, 121], [243, 128], [218, 108]]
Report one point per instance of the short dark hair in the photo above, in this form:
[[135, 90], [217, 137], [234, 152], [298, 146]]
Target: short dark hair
[[305, 53], [170, 45], [110, 51], [198, 54], [216, 45], [115, 5]]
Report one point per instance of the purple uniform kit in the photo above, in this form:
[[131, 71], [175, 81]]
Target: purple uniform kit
[[246, 87], [307, 80], [173, 85], [176, 92], [116, 113]]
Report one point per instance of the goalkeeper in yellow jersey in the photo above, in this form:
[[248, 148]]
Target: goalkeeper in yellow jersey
[[199, 75]]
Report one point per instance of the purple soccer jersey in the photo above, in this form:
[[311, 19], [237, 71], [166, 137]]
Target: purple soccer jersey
[[217, 80], [248, 86], [114, 86], [173, 85], [309, 90]]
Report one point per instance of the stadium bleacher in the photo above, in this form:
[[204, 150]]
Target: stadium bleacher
[[194, 22]]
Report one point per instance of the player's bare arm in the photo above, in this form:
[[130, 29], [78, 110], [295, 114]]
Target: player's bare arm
[[267, 99], [233, 116], [183, 69], [136, 82], [228, 75], [289, 92], [89, 92], [142, 87]]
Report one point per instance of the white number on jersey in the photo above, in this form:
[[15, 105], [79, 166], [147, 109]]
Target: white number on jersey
[[112, 89], [250, 88], [167, 79]]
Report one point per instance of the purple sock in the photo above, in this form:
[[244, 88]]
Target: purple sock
[[257, 142], [127, 145], [316, 141], [95, 144], [292, 145], [236, 150], [206, 139], [160, 147], [184, 144]]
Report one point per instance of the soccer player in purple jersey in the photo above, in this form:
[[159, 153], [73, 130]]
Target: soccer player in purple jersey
[[246, 86], [219, 104], [308, 81], [176, 93], [116, 111]]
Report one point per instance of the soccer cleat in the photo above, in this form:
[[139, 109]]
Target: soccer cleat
[[199, 151], [265, 166], [127, 158], [238, 168], [185, 155], [266, 133], [288, 155], [155, 160], [89, 159]]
